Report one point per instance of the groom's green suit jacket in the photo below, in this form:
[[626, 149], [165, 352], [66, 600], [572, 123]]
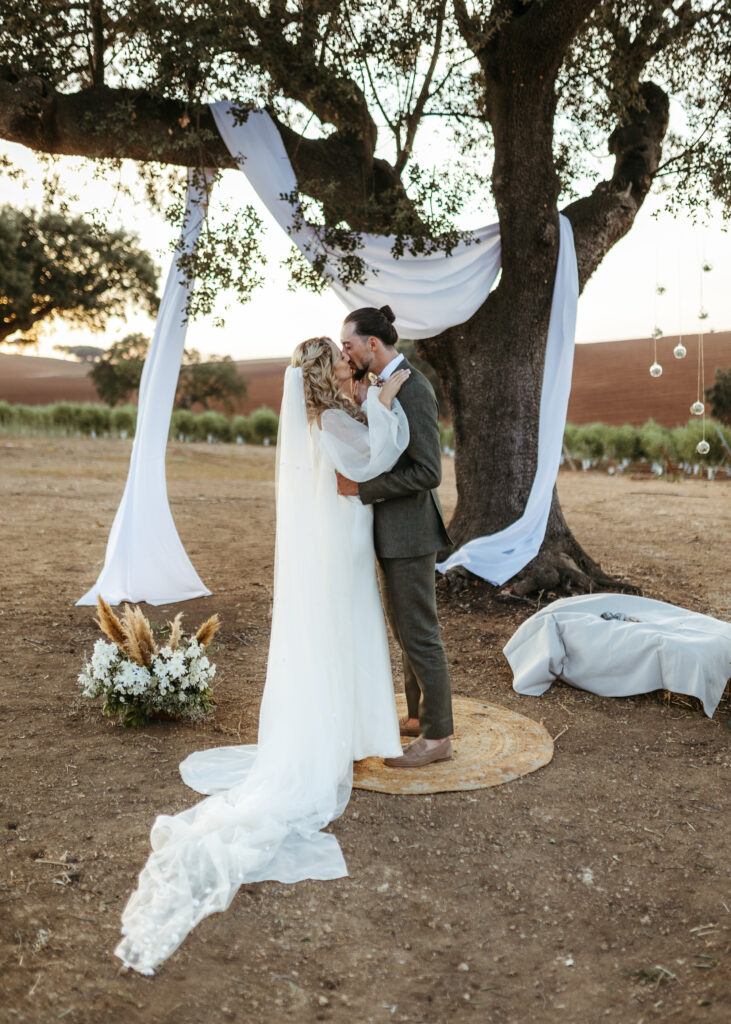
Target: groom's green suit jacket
[[407, 516]]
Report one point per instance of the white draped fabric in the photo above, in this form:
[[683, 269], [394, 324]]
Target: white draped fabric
[[428, 293], [145, 559], [501, 555], [328, 698], [666, 648]]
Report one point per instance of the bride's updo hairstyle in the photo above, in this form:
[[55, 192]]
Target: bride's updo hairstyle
[[377, 323], [317, 358]]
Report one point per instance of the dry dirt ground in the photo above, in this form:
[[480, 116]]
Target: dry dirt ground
[[596, 889]]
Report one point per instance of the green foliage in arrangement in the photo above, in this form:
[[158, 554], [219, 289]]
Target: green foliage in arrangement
[[210, 426]]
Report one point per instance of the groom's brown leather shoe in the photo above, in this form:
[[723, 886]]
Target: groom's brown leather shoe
[[404, 730], [419, 753]]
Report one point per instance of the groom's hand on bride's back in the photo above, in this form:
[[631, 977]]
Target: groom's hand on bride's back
[[348, 488]]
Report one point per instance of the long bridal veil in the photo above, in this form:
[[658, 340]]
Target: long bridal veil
[[267, 803]]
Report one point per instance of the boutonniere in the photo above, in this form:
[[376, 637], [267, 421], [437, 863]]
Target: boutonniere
[[374, 380]]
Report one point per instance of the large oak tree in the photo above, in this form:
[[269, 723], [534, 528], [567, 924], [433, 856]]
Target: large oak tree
[[522, 90]]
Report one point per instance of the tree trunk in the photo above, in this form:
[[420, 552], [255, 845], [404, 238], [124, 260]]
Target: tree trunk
[[491, 367], [493, 384]]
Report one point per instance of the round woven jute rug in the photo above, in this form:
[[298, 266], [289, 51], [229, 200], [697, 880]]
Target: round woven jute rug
[[491, 745]]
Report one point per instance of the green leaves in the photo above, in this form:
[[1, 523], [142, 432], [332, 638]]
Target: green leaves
[[57, 266]]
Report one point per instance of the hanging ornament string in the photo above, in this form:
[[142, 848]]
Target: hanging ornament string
[[680, 351], [698, 408], [656, 368]]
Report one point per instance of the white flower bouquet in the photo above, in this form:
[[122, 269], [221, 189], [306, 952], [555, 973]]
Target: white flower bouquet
[[140, 679]]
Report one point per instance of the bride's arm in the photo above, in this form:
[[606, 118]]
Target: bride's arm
[[392, 387], [362, 451]]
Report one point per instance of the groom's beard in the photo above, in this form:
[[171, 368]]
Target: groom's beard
[[359, 372]]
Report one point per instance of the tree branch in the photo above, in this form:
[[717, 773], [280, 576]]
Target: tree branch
[[334, 99], [542, 29], [601, 219], [414, 117], [369, 76], [97, 52], [103, 123]]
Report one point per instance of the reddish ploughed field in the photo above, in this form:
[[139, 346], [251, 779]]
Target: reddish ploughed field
[[611, 381], [596, 889]]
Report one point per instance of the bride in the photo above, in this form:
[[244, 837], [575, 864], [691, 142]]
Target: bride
[[328, 698]]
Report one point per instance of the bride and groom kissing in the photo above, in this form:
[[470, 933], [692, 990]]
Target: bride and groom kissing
[[408, 530], [358, 521]]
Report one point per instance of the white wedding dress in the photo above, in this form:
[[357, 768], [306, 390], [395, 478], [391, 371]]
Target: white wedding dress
[[328, 698]]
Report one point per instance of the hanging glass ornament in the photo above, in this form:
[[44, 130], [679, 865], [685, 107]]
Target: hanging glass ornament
[[656, 370], [697, 408], [680, 351], [703, 447], [657, 332]]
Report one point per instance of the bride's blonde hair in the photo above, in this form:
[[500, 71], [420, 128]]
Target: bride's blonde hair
[[317, 357]]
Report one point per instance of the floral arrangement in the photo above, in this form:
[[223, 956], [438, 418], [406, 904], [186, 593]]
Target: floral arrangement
[[140, 679]]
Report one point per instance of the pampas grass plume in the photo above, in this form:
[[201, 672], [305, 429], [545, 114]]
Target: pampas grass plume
[[176, 631], [144, 637], [110, 625], [208, 630], [133, 633], [132, 646]]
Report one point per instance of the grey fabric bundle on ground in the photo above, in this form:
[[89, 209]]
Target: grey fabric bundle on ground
[[653, 646]]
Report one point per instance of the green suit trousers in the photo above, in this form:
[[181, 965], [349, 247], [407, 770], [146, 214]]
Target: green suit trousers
[[409, 600]]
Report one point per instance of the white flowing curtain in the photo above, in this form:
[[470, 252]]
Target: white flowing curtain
[[428, 293], [145, 559]]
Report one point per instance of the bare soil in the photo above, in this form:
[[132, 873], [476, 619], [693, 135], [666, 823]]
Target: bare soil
[[596, 889]]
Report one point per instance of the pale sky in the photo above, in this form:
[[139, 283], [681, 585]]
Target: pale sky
[[619, 302]]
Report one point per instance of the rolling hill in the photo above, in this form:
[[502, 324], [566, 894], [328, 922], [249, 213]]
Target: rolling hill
[[611, 380]]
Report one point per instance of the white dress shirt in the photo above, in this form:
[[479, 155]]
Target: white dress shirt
[[390, 367]]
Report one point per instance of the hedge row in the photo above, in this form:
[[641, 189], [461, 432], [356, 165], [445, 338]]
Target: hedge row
[[259, 428], [596, 442], [74, 419], [651, 442]]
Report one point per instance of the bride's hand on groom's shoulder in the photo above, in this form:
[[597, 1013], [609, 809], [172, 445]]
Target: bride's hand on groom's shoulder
[[392, 386]]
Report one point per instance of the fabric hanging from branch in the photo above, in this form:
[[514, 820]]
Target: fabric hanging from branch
[[499, 556], [145, 559], [428, 293]]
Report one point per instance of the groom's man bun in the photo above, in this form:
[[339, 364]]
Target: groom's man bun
[[372, 322]]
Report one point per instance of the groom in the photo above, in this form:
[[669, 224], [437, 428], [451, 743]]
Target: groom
[[408, 531]]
